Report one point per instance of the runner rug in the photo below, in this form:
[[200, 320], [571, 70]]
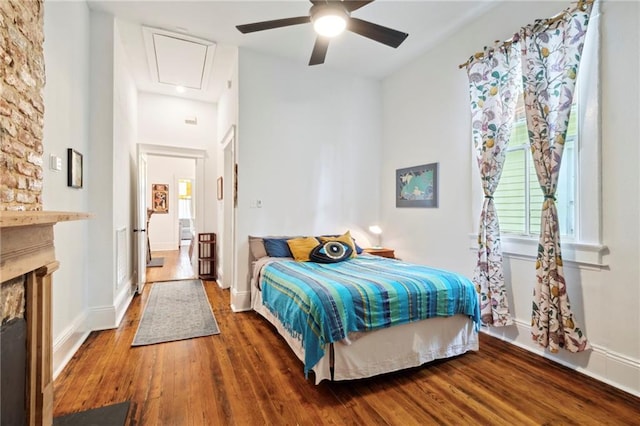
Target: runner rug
[[176, 310]]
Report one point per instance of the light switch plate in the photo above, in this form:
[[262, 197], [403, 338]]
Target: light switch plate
[[55, 162]]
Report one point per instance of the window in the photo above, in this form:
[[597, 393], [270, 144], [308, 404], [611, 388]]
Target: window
[[518, 197], [184, 198]]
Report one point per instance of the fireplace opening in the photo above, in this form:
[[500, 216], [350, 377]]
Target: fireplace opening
[[13, 372]]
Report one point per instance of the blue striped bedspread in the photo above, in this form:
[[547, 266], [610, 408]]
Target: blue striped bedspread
[[323, 303]]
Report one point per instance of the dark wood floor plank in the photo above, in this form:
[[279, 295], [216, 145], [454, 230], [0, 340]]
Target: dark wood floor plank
[[247, 375], [176, 266]]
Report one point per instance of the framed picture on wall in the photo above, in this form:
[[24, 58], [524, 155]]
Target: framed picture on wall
[[220, 191], [417, 186], [160, 197], [74, 168]]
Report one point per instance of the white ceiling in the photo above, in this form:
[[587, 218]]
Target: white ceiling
[[426, 21]]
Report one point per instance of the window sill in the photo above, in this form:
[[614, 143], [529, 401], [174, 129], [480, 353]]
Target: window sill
[[521, 247]]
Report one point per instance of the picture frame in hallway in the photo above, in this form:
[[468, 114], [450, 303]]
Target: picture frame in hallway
[[160, 197], [74, 168], [417, 186], [220, 190]]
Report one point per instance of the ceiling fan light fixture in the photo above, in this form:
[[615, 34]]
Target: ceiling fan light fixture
[[329, 21]]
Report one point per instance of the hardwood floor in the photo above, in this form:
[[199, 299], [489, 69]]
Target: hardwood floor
[[247, 375], [176, 266]]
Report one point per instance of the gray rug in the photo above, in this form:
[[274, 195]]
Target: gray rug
[[156, 262], [110, 415], [176, 310]]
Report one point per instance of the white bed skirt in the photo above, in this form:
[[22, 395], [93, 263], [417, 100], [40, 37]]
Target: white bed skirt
[[386, 350]]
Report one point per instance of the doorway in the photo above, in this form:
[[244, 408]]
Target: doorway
[[179, 170], [186, 211]]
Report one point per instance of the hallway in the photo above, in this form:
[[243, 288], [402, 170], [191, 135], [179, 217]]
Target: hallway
[[176, 266]]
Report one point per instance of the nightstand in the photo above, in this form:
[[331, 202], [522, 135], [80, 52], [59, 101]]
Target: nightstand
[[384, 252]]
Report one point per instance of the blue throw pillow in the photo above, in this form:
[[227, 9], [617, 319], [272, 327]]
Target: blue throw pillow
[[277, 247]]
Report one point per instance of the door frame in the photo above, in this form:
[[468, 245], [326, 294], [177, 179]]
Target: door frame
[[229, 209], [199, 155], [140, 246]]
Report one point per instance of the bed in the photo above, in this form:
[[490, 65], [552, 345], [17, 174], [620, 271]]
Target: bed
[[362, 315]]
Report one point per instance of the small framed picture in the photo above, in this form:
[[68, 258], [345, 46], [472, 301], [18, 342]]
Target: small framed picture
[[160, 197], [417, 186], [74, 169]]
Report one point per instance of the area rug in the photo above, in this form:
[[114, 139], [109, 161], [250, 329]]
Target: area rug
[[156, 262], [110, 415], [176, 310]]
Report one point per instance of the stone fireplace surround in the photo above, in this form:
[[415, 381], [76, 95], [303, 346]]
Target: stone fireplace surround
[[27, 249]]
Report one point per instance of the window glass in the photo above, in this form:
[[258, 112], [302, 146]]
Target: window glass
[[184, 198], [518, 197]]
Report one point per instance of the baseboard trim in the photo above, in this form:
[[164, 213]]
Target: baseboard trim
[[93, 319], [240, 301], [165, 246], [602, 364], [68, 343], [123, 300], [102, 317]]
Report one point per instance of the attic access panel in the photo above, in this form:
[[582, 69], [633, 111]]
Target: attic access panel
[[178, 59]]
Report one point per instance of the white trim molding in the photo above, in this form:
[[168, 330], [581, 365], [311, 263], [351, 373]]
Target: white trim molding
[[617, 370], [69, 341], [123, 300], [240, 300], [583, 255]]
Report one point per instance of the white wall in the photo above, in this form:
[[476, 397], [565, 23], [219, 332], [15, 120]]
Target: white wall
[[427, 119], [99, 172], [227, 117], [124, 172], [90, 103], [228, 102], [161, 122], [308, 148], [163, 228], [66, 125]]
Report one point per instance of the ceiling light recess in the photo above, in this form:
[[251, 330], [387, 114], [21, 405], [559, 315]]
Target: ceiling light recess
[[329, 20]]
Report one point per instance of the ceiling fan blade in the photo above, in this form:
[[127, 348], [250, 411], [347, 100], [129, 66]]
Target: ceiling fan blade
[[277, 23], [349, 5], [319, 50], [352, 5], [384, 35]]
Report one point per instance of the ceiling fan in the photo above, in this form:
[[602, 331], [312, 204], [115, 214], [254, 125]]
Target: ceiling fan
[[330, 18]]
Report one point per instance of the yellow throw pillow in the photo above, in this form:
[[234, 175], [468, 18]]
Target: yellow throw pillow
[[344, 238], [301, 247]]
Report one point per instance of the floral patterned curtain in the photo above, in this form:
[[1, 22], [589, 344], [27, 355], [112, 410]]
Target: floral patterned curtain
[[550, 59], [494, 86]]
